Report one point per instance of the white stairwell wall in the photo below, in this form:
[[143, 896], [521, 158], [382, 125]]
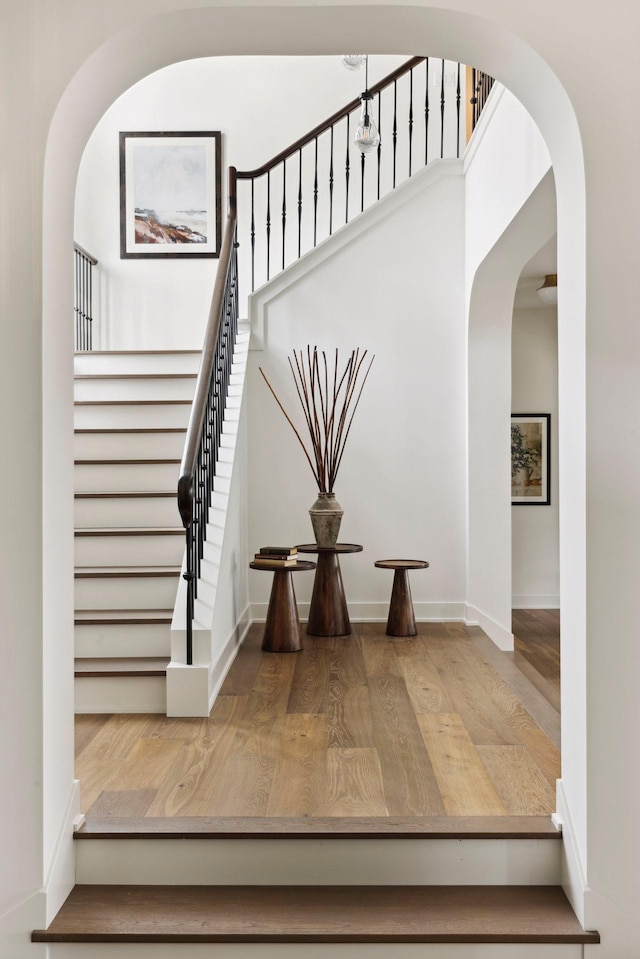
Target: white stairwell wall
[[392, 282], [222, 614]]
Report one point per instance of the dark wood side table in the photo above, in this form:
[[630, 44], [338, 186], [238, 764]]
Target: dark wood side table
[[282, 633], [328, 614], [401, 620]]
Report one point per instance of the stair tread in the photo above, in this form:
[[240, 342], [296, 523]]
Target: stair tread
[[120, 462], [117, 572], [130, 531], [255, 827], [127, 617], [133, 402], [84, 353], [154, 429], [537, 914], [133, 494], [131, 666], [135, 376]]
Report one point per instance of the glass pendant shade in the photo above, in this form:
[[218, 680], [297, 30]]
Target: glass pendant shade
[[353, 61], [366, 137]]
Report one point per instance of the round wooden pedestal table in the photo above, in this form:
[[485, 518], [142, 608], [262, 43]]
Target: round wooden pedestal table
[[401, 621], [328, 614], [282, 633]]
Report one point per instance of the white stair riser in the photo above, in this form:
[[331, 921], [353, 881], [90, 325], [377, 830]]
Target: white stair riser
[[121, 694], [469, 950], [128, 445], [96, 363], [162, 550], [126, 477], [120, 592], [171, 388], [119, 641], [319, 862], [130, 511], [132, 416]]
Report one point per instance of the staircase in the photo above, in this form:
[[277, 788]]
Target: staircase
[[488, 888], [131, 413]]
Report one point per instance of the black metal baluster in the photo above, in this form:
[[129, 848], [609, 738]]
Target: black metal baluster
[[188, 577], [346, 175], [442, 113], [458, 115], [83, 271], [90, 307], [395, 128], [331, 185], [362, 158], [315, 195], [253, 238], [426, 112], [410, 116], [299, 201], [268, 218], [284, 206], [379, 150]]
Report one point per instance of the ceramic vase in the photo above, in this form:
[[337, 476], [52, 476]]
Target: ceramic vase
[[326, 515]]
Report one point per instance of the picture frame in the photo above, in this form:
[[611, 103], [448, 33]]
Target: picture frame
[[530, 459], [170, 195]]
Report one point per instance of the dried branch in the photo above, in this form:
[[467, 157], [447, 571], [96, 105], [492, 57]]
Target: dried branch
[[329, 401]]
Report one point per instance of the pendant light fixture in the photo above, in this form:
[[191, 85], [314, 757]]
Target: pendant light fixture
[[548, 292], [366, 137], [353, 61]]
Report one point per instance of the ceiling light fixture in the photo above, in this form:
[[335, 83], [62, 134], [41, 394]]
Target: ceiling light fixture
[[353, 61], [548, 292], [366, 136]]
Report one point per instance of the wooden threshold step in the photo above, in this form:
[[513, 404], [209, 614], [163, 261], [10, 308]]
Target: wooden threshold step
[[105, 668], [338, 914], [348, 828]]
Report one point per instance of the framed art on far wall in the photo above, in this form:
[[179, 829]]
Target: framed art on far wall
[[530, 459], [170, 195]]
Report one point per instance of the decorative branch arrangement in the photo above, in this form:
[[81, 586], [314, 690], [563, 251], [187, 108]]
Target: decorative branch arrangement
[[329, 400]]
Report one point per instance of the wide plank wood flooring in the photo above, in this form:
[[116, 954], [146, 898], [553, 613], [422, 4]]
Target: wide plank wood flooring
[[356, 726]]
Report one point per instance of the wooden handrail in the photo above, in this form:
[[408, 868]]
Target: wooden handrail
[[196, 420], [330, 121]]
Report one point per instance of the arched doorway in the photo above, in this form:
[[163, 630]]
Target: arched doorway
[[188, 34]]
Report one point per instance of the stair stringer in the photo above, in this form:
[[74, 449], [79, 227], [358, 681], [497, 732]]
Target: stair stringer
[[218, 628]]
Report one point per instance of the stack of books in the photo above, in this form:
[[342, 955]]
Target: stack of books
[[277, 556]]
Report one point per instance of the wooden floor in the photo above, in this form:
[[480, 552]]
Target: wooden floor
[[442, 724]]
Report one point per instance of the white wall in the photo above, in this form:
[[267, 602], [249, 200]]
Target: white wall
[[260, 104], [397, 290], [535, 557], [506, 162]]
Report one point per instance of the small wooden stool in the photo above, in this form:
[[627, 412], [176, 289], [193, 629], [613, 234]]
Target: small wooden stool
[[282, 633], [401, 621]]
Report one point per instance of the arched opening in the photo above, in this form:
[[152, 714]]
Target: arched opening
[[460, 37]]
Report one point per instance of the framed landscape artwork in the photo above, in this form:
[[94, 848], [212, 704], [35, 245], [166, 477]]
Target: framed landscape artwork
[[530, 459], [170, 195]]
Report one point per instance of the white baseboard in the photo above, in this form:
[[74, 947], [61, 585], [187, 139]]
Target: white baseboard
[[501, 636], [573, 875], [535, 601], [62, 871], [378, 612], [219, 669]]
